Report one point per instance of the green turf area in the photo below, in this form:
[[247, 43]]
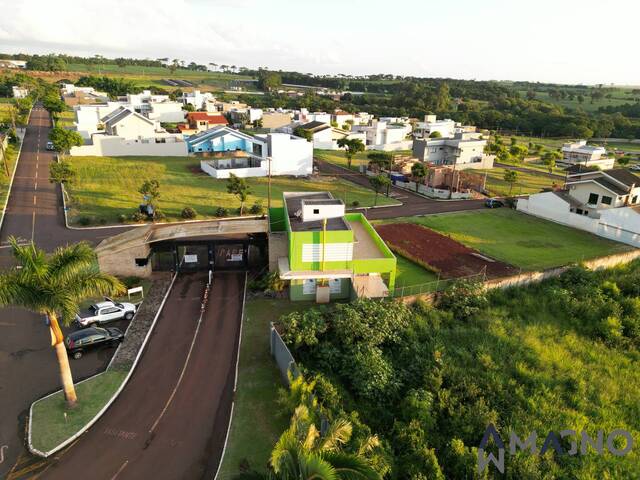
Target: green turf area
[[12, 157], [409, 273], [338, 157], [49, 427], [108, 186], [65, 119], [521, 240], [528, 182], [257, 418]]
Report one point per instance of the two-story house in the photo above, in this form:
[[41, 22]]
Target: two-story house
[[326, 253], [227, 151], [606, 203], [463, 150], [201, 121], [579, 153]]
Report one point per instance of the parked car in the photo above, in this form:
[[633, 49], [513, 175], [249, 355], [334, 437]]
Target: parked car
[[104, 312], [635, 168], [80, 341], [50, 146], [493, 203]]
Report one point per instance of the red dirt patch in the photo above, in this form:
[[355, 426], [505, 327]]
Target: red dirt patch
[[450, 258]]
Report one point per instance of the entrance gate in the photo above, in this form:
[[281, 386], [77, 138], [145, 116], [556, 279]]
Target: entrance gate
[[199, 255]]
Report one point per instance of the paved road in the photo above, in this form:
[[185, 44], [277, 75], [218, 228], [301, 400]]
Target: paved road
[[28, 366], [412, 204], [188, 429]]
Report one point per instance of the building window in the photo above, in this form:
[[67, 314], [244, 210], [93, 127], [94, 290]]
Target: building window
[[316, 211], [606, 200], [593, 199], [586, 212], [579, 211], [634, 199]]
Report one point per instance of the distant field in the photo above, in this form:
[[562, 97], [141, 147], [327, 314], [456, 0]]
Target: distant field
[[619, 97], [107, 187], [518, 239]]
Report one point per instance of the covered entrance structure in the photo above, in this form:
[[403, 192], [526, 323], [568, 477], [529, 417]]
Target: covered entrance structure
[[232, 244]]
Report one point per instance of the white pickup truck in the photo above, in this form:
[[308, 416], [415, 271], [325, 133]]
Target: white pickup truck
[[103, 312]]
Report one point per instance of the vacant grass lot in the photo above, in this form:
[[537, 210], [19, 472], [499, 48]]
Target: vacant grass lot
[[409, 273], [521, 240], [108, 186], [65, 119], [49, 425], [257, 420], [12, 157], [338, 157], [529, 182]]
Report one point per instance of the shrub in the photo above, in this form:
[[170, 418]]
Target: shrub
[[84, 220], [221, 212], [355, 203], [188, 213], [138, 217], [257, 208], [102, 221], [463, 298], [303, 328], [159, 215], [122, 218]]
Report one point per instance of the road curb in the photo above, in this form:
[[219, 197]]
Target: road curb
[[113, 398], [235, 382], [13, 174]]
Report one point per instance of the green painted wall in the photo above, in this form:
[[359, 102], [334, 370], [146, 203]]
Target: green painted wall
[[276, 219], [298, 239]]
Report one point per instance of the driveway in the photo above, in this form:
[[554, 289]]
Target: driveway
[[170, 422], [28, 365], [412, 203]]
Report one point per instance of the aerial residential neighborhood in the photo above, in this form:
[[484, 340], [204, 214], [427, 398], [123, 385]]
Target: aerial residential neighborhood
[[232, 248]]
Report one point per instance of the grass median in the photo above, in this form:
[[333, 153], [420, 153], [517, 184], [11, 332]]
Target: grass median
[[52, 422], [257, 418], [107, 187]]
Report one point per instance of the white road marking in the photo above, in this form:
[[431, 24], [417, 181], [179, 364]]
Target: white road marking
[[33, 225], [2, 449], [120, 470], [34, 200]]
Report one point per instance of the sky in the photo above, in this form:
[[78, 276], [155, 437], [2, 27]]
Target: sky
[[563, 41]]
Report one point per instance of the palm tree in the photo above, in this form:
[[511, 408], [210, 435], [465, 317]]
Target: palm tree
[[302, 453], [54, 285]]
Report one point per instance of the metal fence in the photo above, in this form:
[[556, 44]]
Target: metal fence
[[435, 286], [284, 359]]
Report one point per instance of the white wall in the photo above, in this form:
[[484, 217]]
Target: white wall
[[290, 155], [112, 146], [619, 224], [170, 112], [238, 172]]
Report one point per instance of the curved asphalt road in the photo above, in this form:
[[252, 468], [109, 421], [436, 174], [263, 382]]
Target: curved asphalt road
[[28, 366]]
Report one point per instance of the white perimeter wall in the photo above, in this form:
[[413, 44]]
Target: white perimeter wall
[[111, 146], [619, 224]]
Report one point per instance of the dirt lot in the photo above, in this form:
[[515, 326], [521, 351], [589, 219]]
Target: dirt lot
[[450, 258]]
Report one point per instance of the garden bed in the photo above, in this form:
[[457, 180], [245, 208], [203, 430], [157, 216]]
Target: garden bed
[[450, 258]]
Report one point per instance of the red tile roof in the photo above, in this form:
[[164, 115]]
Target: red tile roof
[[205, 116]]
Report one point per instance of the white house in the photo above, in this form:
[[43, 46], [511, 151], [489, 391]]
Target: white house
[[6, 63], [605, 203], [167, 111], [124, 122], [227, 151], [19, 92], [446, 128], [88, 117], [579, 153], [197, 99], [464, 150], [385, 136], [69, 89], [326, 137]]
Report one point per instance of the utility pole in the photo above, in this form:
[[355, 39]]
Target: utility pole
[[269, 188]]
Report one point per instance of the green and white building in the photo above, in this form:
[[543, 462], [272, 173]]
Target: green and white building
[[325, 253]]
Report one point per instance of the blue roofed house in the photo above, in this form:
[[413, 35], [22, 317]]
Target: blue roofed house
[[226, 150]]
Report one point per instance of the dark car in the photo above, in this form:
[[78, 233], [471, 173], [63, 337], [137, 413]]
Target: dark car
[[82, 340], [493, 203]]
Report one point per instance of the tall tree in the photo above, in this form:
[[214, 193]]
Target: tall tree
[[64, 139], [55, 285], [240, 188], [379, 183], [511, 177], [150, 191], [443, 98], [351, 147], [418, 172]]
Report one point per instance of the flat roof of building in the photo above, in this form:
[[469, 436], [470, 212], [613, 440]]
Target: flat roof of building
[[293, 201]]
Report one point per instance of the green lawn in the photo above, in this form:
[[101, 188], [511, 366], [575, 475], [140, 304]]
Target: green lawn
[[338, 157], [12, 156], [409, 273], [49, 427], [257, 422], [521, 240], [108, 186], [66, 119], [529, 182]]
